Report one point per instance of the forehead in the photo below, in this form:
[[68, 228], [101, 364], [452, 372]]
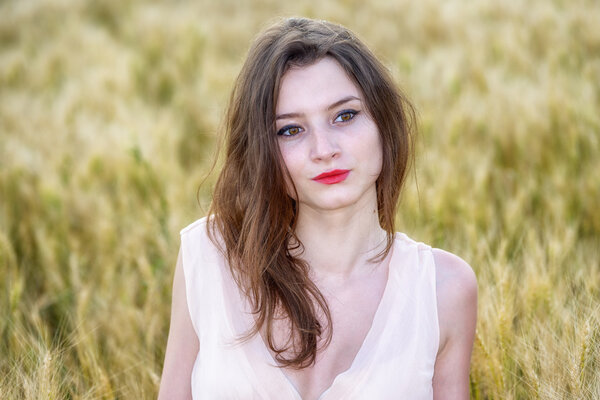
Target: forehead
[[314, 86]]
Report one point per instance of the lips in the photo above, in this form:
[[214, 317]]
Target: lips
[[332, 177]]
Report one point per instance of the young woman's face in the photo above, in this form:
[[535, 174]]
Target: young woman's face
[[329, 143]]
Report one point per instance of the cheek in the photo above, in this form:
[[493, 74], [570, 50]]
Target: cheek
[[376, 145], [370, 145]]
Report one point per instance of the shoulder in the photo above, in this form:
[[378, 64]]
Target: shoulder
[[454, 275], [201, 232], [201, 244], [195, 227], [456, 283], [456, 287]]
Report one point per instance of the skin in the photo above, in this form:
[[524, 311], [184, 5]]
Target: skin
[[323, 125], [182, 345]]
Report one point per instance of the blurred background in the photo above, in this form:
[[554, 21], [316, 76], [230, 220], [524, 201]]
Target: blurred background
[[110, 112]]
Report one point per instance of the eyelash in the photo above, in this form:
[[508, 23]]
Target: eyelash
[[287, 128], [352, 114]]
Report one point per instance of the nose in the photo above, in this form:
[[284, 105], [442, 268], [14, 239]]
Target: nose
[[324, 145]]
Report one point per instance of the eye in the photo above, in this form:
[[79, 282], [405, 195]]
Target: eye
[[345, 116], [289, 130]]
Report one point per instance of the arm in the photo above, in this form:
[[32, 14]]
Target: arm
[[456, 287], [182, 345]]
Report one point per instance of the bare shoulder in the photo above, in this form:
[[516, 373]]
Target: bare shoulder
[[455, 279], [456, 287]]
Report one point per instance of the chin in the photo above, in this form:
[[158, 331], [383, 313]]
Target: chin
[[332, 203]]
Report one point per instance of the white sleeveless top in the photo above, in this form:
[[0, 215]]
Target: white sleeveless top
[[396, 359]]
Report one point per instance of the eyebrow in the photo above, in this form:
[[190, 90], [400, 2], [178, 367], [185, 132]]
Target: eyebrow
[[329, 108]]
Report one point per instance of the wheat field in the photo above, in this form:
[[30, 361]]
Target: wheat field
[[109, 118]]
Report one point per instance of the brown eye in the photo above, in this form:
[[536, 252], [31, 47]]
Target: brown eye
[[289, 130], [345, 116]]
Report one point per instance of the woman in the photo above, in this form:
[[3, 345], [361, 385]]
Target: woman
[[296, 286]]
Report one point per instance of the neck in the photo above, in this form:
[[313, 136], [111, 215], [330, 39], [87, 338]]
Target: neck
[[340, 243]]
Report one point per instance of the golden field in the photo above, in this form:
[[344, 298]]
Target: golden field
[[109, 114]]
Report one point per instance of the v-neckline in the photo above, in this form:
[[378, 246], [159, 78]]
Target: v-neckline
[[379, 318]]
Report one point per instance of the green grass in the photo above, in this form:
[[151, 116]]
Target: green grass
[[109, 113]]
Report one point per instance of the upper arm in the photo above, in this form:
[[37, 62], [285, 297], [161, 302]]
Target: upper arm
[[456, 287], [182, 345]]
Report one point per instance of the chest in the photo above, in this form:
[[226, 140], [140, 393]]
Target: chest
[[396, 359], [352, 307]]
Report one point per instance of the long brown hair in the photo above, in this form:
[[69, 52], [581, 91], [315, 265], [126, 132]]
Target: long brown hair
[[251, 211]]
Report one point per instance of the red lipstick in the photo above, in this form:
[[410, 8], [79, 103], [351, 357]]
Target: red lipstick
[[333, 176]]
